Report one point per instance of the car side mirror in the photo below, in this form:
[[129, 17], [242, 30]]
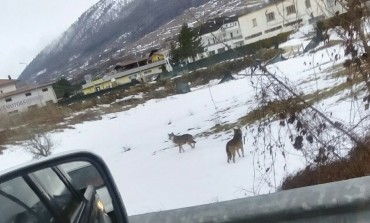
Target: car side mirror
[[73, 187]]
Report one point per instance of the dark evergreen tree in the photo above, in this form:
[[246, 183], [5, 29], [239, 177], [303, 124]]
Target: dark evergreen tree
[[63, 88], [189, 43], [174, 54]]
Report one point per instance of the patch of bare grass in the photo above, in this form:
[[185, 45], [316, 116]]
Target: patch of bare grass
[[83, 105], [89, 115], [328, 45], [46, 115]]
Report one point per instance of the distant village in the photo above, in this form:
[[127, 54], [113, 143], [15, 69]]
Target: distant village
[[218, 35]]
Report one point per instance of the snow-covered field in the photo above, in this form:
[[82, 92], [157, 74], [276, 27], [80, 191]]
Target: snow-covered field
[[154, 176]]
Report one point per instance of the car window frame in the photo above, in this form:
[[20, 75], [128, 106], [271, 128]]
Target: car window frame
[[48, 200]]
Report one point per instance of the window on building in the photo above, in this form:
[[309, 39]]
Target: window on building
[[239, 44], [273, 29], [331, 3], [32, 107], [231, 35], [307, 3], [8, 99], [211, 53], [254, 21], [28, 94], [49, 102], [221, 50], [12, 113], [45, 89], [253, 36], [1, 92], [270, 16], [133, 76], [290, 10]]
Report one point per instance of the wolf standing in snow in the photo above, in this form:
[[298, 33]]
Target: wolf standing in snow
[[181, 140], [234, 145]]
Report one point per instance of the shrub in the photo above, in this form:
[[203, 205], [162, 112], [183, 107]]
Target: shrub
[[355, 165]]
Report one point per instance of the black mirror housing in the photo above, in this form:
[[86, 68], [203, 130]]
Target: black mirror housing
[[41, 172]]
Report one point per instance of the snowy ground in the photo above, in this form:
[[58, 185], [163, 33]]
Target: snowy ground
[[154, 176]]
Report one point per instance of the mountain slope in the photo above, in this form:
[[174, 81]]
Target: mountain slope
[[111, 30], [107, 25]]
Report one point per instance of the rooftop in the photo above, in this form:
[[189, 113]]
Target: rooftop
[[215, 24], [4, 82], [22, 90]]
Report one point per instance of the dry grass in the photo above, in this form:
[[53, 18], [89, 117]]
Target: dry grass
[[89, 115], [80, 106], [47, 115], [328, 45], [355, 165]]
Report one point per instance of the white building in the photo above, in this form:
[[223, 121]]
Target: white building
[[220, 34], [281, 16], [13, 100]]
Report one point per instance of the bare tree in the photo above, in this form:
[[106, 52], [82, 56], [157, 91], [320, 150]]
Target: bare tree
[[39, 145]]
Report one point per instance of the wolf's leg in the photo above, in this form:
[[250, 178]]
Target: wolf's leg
[[242, 148], [228, 154], [237, 150], [191, 145], [233, 155]]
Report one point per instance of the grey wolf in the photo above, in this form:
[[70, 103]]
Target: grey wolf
[[234, 145], [181, 140]]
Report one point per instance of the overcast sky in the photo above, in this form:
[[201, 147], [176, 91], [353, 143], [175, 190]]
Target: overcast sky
[[27, 26]]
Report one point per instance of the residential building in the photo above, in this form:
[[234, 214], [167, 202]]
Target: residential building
[[220, 34], [283, 16], [143, 70], [15, 100], [7, 85]]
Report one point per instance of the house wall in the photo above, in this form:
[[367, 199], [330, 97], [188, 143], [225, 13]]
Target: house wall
[[142, 73], [216, 42], [259, 24], [157, 57], [328, 8], [23, 101], [149, 74], [123, 80], [7, 88], [96, 86]]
